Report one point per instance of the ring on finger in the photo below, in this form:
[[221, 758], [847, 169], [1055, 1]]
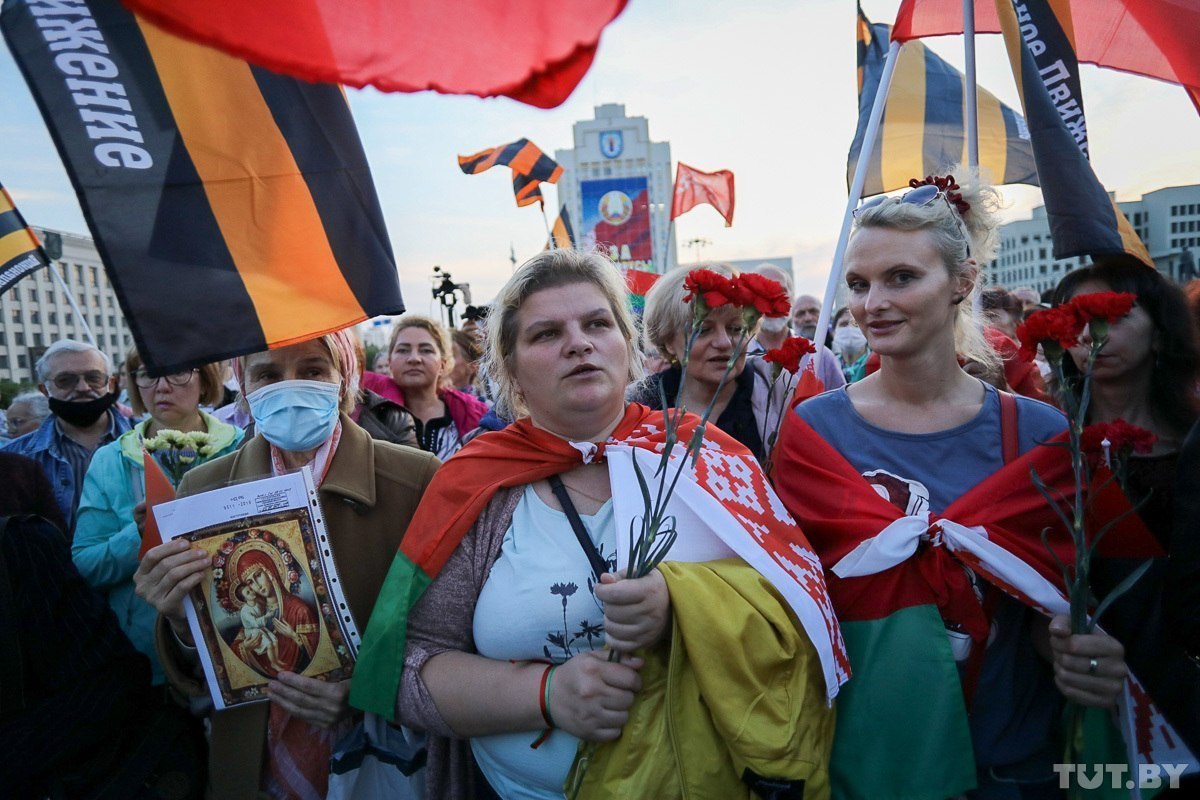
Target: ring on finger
[[1093, 664]]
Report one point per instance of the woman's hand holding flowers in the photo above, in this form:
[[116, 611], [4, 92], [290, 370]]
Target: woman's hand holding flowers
[[1089, 669], [637, 611], [590, 696]]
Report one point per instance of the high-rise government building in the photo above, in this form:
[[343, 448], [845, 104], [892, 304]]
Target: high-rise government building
[[616, 187], [1167, 220], [36, 312]]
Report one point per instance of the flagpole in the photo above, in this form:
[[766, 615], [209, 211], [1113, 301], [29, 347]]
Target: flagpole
[[972, 95], [971, 118], [549, 233], [666, 260], [856, 187], [83, 323]]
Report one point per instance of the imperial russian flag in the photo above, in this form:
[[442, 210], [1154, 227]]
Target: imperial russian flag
[[233, 207], [20, 251], [922, 131]]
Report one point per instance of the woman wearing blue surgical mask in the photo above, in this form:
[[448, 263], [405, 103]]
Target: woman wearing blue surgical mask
[[850, 344], [299, 397]]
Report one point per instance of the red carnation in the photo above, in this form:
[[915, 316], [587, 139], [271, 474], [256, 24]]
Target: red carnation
[[1122, 437], [788, 354], [1107, 306], [1059, 326], [767, 296], [712, 287]]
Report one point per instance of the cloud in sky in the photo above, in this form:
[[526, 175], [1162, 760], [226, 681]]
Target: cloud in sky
[[763, 88]]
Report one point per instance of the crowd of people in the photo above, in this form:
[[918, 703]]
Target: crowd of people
[[528, 650]]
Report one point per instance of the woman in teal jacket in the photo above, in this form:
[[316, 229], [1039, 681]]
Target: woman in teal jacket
[[111, 509]]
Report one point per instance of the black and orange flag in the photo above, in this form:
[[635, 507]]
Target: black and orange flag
[[530, 166], [562, 233], [20, 251], [233, 207], [1084, 220], [923, 131]]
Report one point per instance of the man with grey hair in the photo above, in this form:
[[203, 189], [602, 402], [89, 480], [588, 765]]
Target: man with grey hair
[[77, 380], [806, 310], [25, 413], [772, 331]]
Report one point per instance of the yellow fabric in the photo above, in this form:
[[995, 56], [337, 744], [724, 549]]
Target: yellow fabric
[[739, 687]]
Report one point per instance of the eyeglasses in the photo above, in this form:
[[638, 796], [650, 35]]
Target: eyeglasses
[[922, 196], [66, 381], [144, 380]]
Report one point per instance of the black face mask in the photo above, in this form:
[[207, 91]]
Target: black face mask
[[82, 414]]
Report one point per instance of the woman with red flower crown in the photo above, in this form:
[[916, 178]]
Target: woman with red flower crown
[[748, 404], [883, 473], [1144, 403]]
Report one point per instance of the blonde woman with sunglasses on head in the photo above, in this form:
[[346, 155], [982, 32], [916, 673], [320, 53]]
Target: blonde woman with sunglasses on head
[[935, 649]]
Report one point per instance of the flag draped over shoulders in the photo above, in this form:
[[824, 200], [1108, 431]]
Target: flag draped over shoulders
[[517, 455], [898, 581], [530, 50], [840, 512]]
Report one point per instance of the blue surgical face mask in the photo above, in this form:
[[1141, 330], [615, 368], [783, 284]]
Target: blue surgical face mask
[[295, 415]]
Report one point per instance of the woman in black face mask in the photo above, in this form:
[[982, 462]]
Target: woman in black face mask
[[77, 379]]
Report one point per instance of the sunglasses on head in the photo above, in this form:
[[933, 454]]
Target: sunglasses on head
[[921, 196]]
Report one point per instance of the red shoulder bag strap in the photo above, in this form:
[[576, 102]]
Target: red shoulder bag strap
[[1009, 447]]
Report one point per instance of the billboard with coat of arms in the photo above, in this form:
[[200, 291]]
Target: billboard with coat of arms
[[616, 218]]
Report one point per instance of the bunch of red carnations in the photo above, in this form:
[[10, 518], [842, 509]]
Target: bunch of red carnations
[[1099, 453]]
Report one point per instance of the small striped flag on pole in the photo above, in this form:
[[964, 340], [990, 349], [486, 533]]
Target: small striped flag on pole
[[20, 251], [562, 233]]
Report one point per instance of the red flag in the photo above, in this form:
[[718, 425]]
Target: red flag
[[530, 50], [158, 490], [693, 187], [1154, 38]]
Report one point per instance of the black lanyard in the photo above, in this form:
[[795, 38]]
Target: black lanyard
[[599, 565]]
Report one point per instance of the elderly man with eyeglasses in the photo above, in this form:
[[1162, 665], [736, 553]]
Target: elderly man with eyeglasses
[[78, 381]]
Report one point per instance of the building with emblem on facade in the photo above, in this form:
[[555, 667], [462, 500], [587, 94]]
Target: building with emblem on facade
[[35, 312], [616, 187], [1167, 220]]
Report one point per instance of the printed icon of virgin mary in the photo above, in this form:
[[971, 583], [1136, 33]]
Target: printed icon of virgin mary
[[273, 628]]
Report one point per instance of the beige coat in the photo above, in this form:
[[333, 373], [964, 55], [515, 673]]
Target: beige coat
[[368, 496]]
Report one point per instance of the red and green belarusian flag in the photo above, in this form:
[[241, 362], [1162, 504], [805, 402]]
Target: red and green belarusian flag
[[896, 581]]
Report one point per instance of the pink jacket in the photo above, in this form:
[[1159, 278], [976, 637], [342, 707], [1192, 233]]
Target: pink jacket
[[465, 410]]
